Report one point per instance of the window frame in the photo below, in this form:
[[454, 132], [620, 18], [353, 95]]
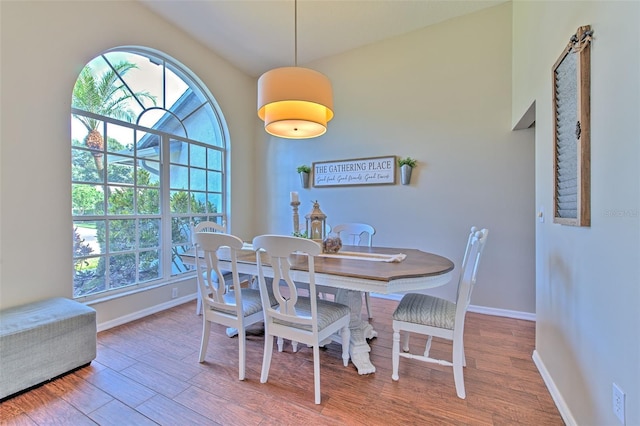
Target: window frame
[[167, 247]]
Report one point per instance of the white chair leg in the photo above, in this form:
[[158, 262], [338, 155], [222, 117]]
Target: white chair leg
[[457, 369], [346, 341], [367, 303], [395, 354], [280, 344], [206, 327], [294, 345], [266, 358], [459, 380], [405, 341], [199, 304], [241, 352], [427, 347], [464, 357], [316, 372]]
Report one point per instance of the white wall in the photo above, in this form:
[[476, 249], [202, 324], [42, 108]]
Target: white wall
[[587, 285], [441, 95], [44, 47]]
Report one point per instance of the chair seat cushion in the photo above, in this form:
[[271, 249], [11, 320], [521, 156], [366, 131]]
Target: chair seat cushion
[[251, 302], [328, 313], [426, 310]]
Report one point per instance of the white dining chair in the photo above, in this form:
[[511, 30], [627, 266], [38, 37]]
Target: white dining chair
[[207, 226], [357, 234], [301, 319], [204, 226], [210, 226], [231, 306], [436, 317]]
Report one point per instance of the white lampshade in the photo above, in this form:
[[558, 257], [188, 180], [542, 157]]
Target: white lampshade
[[295, 102]]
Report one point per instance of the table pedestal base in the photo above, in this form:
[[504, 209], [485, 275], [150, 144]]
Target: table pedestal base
[[360, 331]]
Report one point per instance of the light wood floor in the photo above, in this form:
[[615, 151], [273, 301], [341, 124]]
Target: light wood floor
[[147, 372]]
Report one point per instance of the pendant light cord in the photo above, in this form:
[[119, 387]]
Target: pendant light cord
[[295, 32]]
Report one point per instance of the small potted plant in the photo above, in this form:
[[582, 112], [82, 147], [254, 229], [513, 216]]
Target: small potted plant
[[304, 171], [406, 166]]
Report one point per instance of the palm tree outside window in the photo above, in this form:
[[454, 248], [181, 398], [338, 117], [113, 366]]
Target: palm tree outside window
[[148, 158]]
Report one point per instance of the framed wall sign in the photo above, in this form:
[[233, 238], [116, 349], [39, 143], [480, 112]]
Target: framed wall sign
[[572, 135], [361, 171]]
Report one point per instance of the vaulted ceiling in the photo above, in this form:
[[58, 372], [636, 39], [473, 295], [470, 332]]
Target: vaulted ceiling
[[258, 35]]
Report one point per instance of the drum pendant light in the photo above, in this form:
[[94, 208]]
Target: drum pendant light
[[295, 102]]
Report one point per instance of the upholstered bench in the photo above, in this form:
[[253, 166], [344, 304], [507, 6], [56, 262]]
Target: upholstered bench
[[42, 340]]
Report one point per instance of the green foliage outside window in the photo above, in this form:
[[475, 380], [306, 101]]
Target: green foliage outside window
[[124, 238]]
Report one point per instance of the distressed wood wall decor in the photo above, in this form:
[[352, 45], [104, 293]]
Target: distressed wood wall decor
[[571, 117]]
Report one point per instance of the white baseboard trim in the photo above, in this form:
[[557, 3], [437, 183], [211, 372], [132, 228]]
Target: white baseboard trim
[[387, 296], [477, 309], [565, 413], [145, 312], [502, 313]]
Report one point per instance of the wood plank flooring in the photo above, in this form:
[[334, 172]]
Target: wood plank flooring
[[147, 373]]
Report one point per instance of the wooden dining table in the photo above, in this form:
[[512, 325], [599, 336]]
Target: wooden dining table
[[353, 270]]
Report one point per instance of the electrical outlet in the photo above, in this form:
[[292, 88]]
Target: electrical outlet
[[174, 292], [618, 403]]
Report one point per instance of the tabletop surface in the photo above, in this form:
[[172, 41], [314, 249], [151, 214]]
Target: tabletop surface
[[416, 264]]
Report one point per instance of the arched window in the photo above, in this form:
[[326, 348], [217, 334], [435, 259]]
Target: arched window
[[148, 145]]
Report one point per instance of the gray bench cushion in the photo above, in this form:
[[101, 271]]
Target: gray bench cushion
[[42, 340]]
